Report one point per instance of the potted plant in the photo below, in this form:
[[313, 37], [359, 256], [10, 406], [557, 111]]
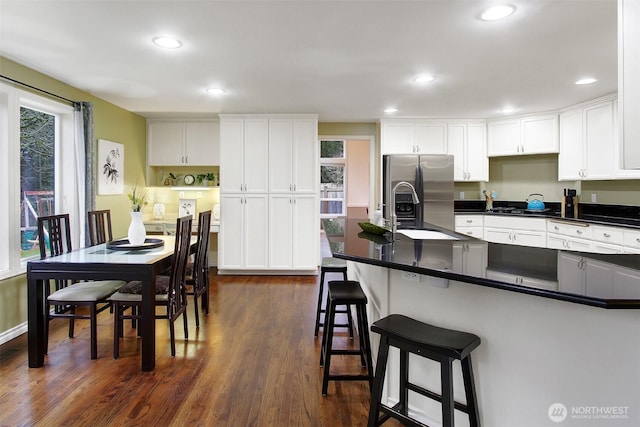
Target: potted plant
[[201, 177], [211, 178]]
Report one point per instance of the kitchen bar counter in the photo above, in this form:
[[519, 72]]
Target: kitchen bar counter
[[546, 339], [606, 281]]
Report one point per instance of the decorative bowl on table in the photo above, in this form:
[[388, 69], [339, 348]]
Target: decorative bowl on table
[[373, 229]]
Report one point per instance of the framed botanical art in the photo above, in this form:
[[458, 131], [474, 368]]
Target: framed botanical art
[[187, 207], [110, 167]]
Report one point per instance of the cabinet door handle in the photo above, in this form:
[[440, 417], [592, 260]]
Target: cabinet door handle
[[638, 240], [607, 235], [469, 221], [295, 188], [555, 227], [579, 231]]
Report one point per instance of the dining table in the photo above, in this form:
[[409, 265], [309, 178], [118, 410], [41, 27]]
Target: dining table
[[106, 261]]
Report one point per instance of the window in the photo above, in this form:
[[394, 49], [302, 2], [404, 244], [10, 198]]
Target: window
[[332, 176], [40, 160]]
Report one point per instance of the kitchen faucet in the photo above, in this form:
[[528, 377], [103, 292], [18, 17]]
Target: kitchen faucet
[[414, 197]]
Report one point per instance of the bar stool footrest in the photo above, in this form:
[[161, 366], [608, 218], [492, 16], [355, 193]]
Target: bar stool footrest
[[393, 411], [435, 396]]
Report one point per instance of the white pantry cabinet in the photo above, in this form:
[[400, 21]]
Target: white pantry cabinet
[[413, 136], [292, 232], [293, 156], [271, 182], [525, 135], [244, 148], [243, 237], [183, 142], [467, 142], [587, 142]]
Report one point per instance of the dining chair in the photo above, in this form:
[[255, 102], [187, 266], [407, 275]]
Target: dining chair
[[170, 291], [197, 280], [100, 226], [54, 237]]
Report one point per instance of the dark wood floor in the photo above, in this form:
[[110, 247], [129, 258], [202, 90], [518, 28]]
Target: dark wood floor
[[253, 362]]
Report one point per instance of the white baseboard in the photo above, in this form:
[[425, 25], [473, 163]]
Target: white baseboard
[[12, 333]]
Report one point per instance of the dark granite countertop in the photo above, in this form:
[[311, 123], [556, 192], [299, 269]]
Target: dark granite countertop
[[548, 273], [614, 215]]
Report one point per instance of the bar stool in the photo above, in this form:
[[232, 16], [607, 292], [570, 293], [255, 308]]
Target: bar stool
[[332, 265], [438, 344], [346, 293]]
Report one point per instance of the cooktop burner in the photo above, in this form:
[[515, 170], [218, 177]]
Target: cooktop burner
[[510, 210]]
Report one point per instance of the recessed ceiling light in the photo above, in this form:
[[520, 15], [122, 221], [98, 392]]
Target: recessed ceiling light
[[586, 81], [216, 91], [508, 110], [423, 78], [497, 12], [390, 110], [167, 42]]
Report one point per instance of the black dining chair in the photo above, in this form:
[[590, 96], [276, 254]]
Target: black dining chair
[[99, 226], [170, 292], [54, 237], [197, 280]]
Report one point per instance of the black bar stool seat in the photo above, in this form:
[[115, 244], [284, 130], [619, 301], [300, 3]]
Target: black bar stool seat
[[332, 265], [435, 343], [346, 293]]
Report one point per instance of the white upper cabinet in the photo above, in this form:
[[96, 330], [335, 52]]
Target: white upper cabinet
[[412, 136], [293, 156], [467, 142], [629, 80], [244, 148], [183, 143], [526, 135], [588, 142]]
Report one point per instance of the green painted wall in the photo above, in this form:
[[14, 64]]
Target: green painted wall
[[112, 123]]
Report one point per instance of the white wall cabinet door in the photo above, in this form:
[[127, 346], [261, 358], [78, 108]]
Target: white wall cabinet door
[[164, 143], [571, 156], [293, 156], [540, 134], [182, 143], [503, 138], [430, 138], [244, 145], [202, 145], [294, 231], [587, 143], [599, 141], [306, 233], [243, 236], [467, 143], [526, 135], [412, 136]]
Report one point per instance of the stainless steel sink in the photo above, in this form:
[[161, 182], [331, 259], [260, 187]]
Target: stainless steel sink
[[423, 234]]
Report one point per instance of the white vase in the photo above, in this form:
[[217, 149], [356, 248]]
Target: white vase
[[136, 233]]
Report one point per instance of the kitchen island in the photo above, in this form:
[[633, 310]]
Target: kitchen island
[[556, 326]]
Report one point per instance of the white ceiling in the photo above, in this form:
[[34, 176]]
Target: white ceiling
[[345, 60]]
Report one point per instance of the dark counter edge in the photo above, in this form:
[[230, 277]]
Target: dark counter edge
[[573, 298]]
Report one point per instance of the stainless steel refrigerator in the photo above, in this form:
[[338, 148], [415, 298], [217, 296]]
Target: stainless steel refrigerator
[[432, 177]]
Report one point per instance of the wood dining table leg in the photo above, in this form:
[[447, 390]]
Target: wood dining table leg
[[36, 318], [147, 325]]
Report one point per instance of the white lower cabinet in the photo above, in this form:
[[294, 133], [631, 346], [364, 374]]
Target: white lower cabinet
[[294, 232], [532, 282], [471, 225], [587, 276], [516, 230], [470, 258], [243, 237]]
